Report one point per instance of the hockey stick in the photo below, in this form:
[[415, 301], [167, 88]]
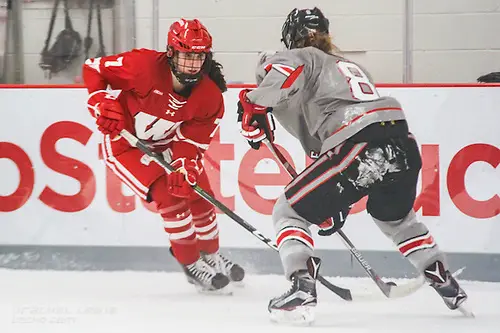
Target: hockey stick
[[390, 290], [135, 142]]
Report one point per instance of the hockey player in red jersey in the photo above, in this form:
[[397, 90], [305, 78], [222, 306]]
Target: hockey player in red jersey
[[173, 101], [362, 147]]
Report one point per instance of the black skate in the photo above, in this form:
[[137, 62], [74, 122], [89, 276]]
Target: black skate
[[205, 278], [446, 286], [295, 306], [221, 264]]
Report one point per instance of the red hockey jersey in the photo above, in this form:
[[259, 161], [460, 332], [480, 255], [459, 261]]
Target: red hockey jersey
[[154, 112]]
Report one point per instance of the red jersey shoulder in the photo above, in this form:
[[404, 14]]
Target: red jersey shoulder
[[145, 55], [149, 65]]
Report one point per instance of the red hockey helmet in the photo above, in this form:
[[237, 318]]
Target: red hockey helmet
[[189, 36], [188, 47]]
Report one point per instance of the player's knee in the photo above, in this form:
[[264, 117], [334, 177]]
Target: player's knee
[[389, 212], [199, 204], [284, 215], [391, 207], [175, 212], [204, 215], [279, 212], [158, 189], [164, 201]]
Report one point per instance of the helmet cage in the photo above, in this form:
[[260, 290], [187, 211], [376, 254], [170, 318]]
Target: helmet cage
[[177, 61]]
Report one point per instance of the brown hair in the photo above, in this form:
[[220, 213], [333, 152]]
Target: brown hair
[[214, 71], [322, 41]]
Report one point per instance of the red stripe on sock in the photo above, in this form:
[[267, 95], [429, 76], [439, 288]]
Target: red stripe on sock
[[295, 233], [417, 243]]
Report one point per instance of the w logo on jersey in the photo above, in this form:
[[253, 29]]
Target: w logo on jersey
[[291, 73]]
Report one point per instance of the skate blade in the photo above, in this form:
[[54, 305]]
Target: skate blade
[[462, 308], [466, 312], [238, 284], [300, 316], [226, 291]]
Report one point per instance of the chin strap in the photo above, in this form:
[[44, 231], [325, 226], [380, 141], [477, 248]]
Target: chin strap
[[183, 78]]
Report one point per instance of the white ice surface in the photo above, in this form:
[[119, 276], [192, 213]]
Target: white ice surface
[[94, 302]]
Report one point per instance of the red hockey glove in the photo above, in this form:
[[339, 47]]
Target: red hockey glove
[[108, 111], [180, 183], [111, 119], [256, 122]]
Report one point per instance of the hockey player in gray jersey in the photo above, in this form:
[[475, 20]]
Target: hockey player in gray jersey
[[362, 147]]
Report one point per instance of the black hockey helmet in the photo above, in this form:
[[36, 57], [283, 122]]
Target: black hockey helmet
[[493, 77], [299, 23]]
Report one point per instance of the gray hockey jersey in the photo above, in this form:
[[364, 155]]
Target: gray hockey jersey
[[319, 98]]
